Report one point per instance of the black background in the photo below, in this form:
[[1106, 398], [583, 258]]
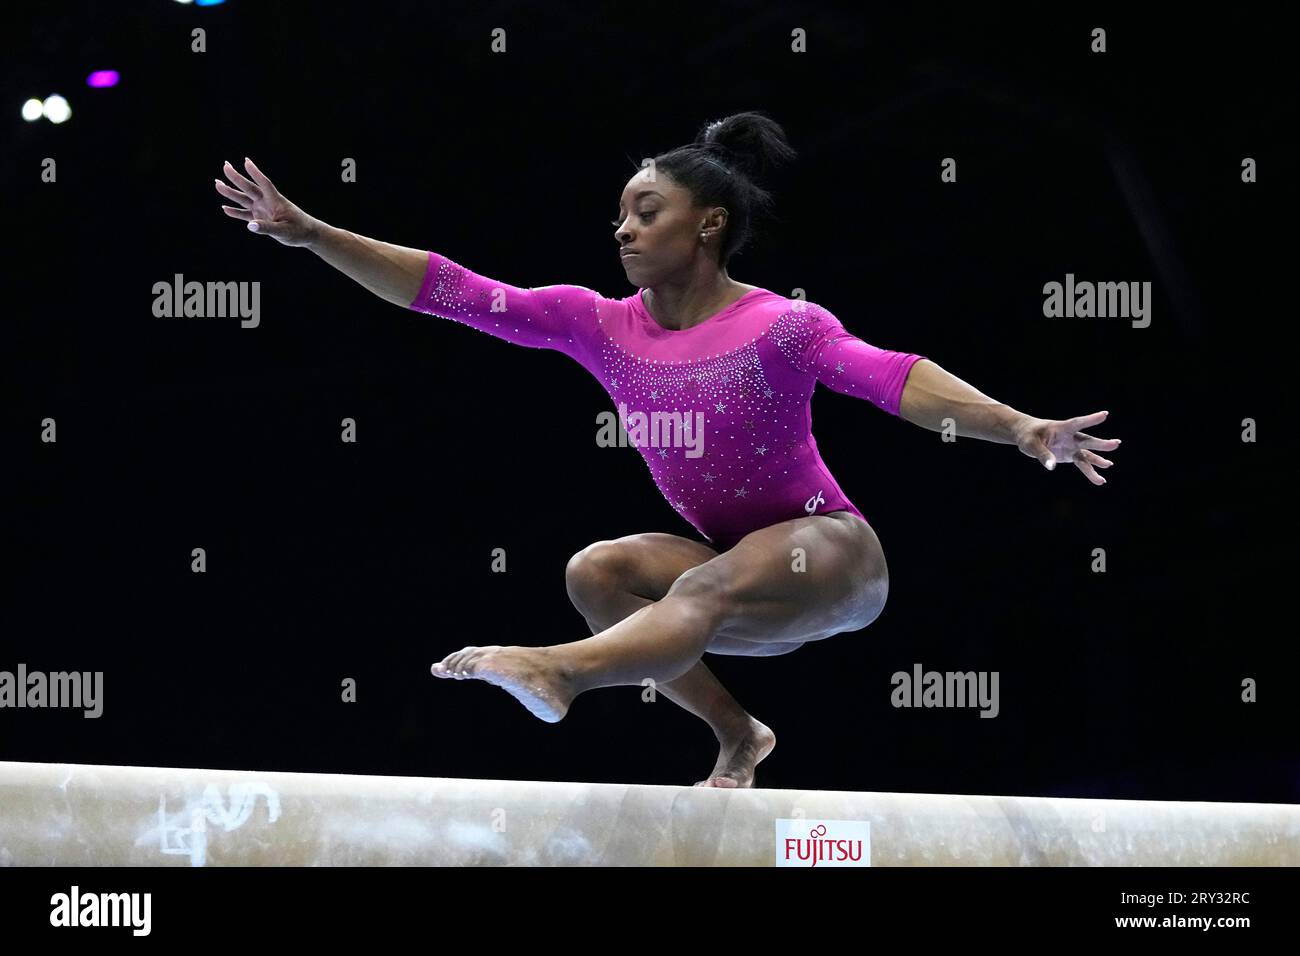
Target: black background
[[371, 560]]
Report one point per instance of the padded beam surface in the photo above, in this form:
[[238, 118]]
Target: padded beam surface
[[72, 814]]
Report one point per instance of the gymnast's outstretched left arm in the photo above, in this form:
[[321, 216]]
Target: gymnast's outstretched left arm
[[933, 398], [918, 390]]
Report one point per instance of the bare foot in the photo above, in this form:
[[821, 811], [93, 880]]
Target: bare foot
[[525, 672], [739, 755]]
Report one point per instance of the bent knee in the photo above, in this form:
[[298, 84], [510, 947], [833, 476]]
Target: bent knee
[[709, 588], [597, 567]]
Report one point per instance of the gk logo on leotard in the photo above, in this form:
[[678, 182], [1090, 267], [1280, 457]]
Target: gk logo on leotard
[[811, 505]]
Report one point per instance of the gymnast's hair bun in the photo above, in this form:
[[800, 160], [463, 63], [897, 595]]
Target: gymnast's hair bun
[[751, 141]]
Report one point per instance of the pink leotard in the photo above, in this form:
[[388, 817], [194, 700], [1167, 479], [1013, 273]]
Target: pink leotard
[[732, 449]]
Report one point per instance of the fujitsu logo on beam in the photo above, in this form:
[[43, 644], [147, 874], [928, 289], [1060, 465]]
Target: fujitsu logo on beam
[[813, 843]]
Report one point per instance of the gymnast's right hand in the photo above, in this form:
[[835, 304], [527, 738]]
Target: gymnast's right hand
[[264, 209]]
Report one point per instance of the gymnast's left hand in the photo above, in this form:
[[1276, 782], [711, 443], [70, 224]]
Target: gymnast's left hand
[[1052, 441]]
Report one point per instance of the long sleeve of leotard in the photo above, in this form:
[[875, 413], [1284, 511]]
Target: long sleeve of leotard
[[556, 317], [845, 363]]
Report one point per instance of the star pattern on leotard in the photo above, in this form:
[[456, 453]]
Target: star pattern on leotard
[[726, 386]]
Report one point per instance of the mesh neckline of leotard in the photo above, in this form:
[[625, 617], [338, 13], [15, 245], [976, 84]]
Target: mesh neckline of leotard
[[646, 316]]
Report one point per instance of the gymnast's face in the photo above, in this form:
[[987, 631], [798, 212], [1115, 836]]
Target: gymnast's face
[[660, 223]]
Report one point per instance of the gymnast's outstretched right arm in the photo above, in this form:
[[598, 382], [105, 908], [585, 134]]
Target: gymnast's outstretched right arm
[[560, 317], [393, 273]]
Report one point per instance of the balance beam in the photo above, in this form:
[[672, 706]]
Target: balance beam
[[86, 815]]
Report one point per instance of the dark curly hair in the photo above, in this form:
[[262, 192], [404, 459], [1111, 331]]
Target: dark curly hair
[[725, 166]]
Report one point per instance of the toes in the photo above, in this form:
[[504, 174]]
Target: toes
[[452, 664], [464, 663], [477, 657], [462, 659], [461, 664]]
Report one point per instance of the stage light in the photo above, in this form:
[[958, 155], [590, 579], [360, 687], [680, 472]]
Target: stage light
[[101, 78], [57, 109], [33, 110]]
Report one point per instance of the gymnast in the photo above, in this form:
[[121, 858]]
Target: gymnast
[[788, 559]]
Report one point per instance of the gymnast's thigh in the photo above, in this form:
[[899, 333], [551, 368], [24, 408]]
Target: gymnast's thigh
[[795, 581]]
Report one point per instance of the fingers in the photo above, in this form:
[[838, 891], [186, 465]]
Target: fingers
[[1044, 455], [234, 213], [241, 198], [1088, 470], [247, 185], [1094, 459], [265, 227], [1101, 444], [1084, 421], [258, 176]]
